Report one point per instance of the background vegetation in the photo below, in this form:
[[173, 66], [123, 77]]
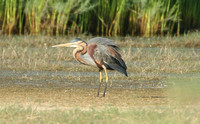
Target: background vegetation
[[99, 17]]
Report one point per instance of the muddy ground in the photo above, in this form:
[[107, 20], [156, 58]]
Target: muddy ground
[[30, 90]]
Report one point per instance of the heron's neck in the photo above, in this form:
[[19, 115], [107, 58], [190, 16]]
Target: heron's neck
[[80, 50]]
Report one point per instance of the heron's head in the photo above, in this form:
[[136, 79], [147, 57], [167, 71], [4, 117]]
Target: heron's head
[[74, 43]]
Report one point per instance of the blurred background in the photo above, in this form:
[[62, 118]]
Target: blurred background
[[99, 17]]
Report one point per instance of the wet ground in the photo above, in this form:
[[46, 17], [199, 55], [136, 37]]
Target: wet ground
[[51, 89]]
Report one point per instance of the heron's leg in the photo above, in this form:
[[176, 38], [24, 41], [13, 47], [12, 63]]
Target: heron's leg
[[104, 93], [100, 81]]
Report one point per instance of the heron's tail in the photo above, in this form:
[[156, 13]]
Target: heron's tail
[[119, 69]]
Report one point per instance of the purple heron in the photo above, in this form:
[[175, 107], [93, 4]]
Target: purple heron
[[98, 52]]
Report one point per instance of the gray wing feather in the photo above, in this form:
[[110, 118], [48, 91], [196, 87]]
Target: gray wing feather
[[86, 57], [102, 41], [101, 53]]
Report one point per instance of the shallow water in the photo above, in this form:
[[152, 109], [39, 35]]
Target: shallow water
[[70, 80], [80, 79]]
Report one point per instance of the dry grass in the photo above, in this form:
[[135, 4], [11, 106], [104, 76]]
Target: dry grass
[[35, 53]]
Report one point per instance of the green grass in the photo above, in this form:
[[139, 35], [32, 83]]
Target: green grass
[[145, 115], [100, 17]]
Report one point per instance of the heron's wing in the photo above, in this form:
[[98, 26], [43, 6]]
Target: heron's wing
[[107, 54], [88, 60], [102, 41]]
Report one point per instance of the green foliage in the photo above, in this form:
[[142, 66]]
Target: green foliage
[[99, 17]]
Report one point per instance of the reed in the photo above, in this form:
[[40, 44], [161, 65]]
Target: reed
[[20, 16], [99, 17], [191, 14], [9, 18], [1, 13], [155, 17], [34, 11]]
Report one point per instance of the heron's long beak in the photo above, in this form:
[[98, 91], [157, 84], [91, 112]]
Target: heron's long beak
[[66, 45]]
